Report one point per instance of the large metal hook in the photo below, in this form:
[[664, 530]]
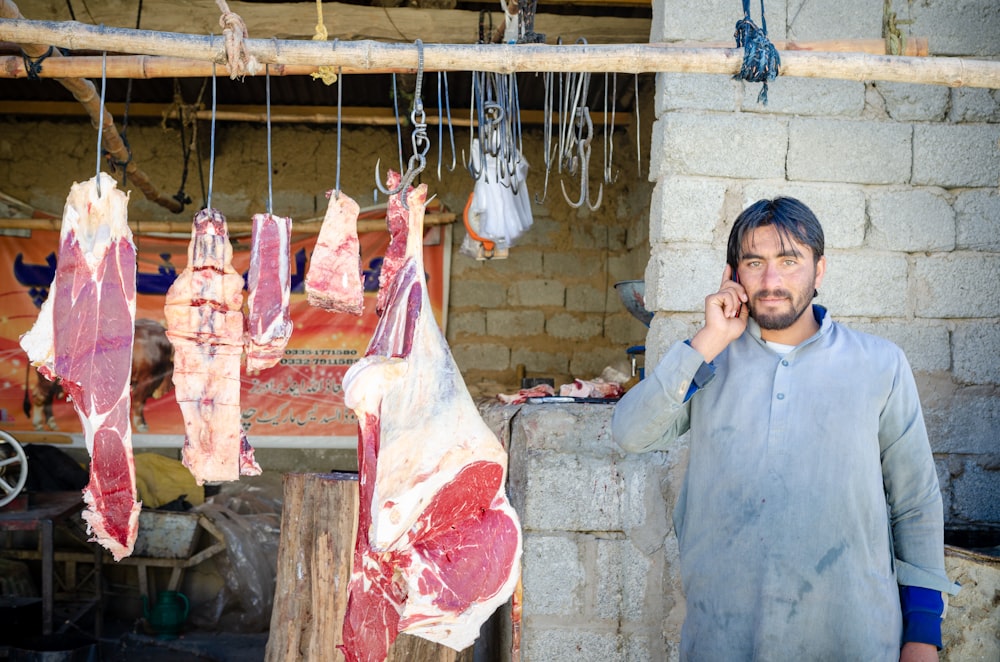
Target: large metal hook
[[582, 157], [443, 76], [476, 113], [547, 134], [418, 139], [609, 136]]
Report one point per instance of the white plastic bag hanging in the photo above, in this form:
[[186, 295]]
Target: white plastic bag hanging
[[501, 203]]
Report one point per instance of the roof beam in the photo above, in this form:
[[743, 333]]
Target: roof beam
[[297, 20]]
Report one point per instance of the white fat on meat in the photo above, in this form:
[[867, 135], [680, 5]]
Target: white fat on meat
[[204, 313]]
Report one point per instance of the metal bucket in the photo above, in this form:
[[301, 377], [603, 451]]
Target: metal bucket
[[633, 296]]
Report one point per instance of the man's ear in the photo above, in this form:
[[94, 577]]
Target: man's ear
[[820, 270]]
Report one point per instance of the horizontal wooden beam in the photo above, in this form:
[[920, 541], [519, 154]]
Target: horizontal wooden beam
[[632, 58], [350, 115], [236, 227], [297, 20], [144, 67]]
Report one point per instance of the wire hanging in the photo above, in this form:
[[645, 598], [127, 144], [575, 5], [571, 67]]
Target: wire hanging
[[270, 169], [211, 147], [340, 101], [100, 125]]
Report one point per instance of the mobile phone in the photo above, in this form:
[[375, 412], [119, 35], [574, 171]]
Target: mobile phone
[[735, 277]]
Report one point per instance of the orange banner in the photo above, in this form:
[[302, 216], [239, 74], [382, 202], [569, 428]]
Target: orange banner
[[299, 397]]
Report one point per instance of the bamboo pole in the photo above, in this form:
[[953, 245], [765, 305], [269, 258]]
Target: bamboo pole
[[370, 56], [255, 113], [85, 92], [149, 66], [236, 227]]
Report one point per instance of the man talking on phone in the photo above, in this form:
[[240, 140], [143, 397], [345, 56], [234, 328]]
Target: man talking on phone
[[810, 520]]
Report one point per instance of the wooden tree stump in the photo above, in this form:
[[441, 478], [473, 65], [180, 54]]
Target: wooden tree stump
[[318, 526]]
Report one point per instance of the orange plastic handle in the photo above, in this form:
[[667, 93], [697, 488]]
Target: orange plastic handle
[[488, 245]]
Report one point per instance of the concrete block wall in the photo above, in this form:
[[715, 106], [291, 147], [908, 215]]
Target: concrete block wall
[[904, 178], [596, 567]]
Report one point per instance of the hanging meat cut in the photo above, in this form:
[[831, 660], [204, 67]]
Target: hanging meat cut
[[83, 337], [333, 281], [438, 544], [204, 314], [269, 282]]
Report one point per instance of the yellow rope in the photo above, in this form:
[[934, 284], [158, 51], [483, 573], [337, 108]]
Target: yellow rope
[[326, 73]]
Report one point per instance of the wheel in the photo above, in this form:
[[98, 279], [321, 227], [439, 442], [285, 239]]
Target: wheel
[[13, 468]]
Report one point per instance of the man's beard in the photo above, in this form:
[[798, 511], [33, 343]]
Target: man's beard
[[778, 320]]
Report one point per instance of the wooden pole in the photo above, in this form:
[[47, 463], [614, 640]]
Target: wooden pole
[[183, 227], [315, 549], [351, 115], [149, 66], [315, 552], [370, 56]]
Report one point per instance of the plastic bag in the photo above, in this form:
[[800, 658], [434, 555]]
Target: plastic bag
[[501, 206], [249, 517]]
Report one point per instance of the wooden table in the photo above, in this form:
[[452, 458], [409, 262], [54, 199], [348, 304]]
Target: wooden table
[[44, 510]]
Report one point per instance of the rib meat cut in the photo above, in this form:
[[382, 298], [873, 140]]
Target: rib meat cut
[[83, 336], [333, 281], [269, 282], [204, 314], [438, 544]]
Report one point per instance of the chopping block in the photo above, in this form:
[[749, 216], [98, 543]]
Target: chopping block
[[316, 548]]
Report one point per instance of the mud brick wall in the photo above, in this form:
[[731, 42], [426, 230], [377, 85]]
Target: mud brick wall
[[904, 179]]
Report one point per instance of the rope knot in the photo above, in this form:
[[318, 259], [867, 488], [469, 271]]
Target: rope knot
[[760, 58], [234, 30]]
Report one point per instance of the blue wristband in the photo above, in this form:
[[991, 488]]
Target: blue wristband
[[922, 609]]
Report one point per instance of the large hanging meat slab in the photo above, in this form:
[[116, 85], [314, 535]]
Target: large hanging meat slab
[[438, 544], [269, 283], [204, 313], [83, 337]]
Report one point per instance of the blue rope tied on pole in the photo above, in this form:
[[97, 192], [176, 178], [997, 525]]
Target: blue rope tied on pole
[[33, 66], [760, 57]]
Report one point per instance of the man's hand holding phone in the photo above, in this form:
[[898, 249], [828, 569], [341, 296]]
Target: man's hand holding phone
[[726, 317]]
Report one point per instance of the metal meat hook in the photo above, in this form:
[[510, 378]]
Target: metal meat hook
[[583, 159], [419, 140], [443, 76]]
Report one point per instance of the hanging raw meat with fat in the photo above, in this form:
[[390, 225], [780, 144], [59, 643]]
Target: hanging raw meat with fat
[[333, 281], [83, 337], [204, 313], [269, 282], [438, 544]]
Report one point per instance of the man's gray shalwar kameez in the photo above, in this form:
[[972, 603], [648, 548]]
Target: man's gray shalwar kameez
[[798, 465]]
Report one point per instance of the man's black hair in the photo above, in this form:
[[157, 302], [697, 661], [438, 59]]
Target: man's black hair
[[790, 217]]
